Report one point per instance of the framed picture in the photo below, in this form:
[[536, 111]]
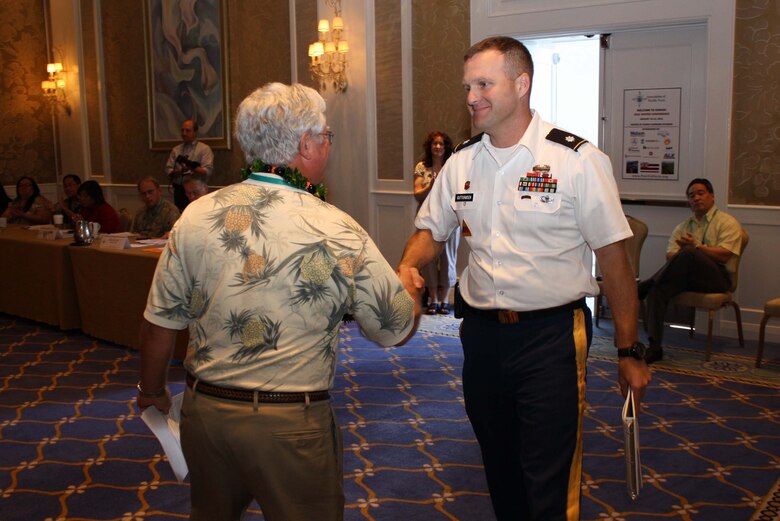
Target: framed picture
[[186, 70]]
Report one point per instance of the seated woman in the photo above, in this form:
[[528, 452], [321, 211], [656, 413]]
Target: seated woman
[[94, 208], [29, 207]]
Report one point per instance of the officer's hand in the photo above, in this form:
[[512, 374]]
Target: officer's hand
[[635, 374]]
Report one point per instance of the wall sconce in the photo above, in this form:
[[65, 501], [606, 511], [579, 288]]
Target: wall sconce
[[54, 89], [328, 56]]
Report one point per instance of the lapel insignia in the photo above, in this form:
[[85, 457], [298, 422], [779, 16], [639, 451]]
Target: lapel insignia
[[566, 139]]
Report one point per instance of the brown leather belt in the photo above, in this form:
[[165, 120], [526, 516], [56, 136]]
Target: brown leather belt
[[507, 316], [243, 395]]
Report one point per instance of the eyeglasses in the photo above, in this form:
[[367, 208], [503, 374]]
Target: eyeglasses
[[330, 135]]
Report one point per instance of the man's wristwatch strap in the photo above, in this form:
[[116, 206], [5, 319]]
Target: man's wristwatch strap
[[147, 394], [637, 350]]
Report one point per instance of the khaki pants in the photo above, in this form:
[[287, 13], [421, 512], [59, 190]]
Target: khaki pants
[[286, 456]]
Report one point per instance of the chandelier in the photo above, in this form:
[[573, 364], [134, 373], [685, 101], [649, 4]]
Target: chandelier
[[328, 55], [54, 89]]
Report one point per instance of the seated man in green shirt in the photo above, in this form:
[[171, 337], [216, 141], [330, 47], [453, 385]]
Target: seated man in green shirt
[[701, 256]]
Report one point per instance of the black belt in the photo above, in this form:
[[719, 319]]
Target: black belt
[[507, 316], [243, 395]]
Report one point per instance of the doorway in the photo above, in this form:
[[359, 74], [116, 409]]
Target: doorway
[[566, 88], [566, 83]]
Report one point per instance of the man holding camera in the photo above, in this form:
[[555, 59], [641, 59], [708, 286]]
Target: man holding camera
[[189, 157]]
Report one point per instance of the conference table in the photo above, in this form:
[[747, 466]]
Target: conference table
[[101, 291], [36, 279], [112, 286]]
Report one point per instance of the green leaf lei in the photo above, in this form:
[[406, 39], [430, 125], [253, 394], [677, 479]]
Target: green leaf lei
[[291, 176]]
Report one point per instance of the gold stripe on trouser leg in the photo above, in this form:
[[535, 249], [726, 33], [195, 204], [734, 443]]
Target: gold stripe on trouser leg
[[575, 472]]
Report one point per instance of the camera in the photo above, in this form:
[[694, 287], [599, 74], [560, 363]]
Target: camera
[[186, 162]]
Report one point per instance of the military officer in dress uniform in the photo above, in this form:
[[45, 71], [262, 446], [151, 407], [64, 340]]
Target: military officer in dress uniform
[[533, 202]]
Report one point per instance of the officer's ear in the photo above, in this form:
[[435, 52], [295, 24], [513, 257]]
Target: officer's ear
[[523, 84]]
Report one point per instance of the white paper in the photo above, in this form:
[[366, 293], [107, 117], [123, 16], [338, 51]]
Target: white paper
[[114, 243], [153, 242], [48, 235], [630, 418], [166, 428]]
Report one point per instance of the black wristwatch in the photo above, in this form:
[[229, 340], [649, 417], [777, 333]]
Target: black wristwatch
[[637, 350]]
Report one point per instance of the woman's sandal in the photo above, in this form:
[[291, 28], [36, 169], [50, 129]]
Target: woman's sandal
[[433, 308], [444, 309]]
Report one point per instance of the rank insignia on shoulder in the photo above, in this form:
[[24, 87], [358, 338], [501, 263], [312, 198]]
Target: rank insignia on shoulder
[[468, 142], [566, 139]]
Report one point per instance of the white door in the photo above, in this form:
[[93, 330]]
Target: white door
[[670, 62]]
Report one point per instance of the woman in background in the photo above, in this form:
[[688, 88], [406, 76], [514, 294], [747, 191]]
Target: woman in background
[[94, 208], [440, 275], [69, 203], [29, 207]]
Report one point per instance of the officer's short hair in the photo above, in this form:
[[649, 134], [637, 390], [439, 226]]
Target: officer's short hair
[[518, 57]]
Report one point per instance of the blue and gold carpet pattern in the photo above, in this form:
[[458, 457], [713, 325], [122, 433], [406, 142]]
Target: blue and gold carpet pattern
[[72, 446]]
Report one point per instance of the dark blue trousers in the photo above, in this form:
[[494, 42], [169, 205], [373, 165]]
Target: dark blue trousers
[[689, 270], [524, 388]]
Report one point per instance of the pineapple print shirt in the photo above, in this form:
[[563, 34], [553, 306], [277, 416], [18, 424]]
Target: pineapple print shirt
[[155, 222], [262, 274]]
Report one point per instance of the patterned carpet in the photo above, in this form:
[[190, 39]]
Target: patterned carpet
[[683, 360], [73, 447]]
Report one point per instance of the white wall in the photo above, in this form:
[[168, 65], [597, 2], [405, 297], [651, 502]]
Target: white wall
[[385, 208], [71, 132]]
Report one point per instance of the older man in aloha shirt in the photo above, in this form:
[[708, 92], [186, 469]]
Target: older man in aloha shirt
[[263, 275], [228, 272]]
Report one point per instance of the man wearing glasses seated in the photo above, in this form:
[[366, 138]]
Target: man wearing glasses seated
[[156, 217]]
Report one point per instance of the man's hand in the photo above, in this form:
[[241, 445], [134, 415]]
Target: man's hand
[[413, 282], [621, 294], [156, 347], [410, 278], [687, 240], [163, 403], [633, 373]]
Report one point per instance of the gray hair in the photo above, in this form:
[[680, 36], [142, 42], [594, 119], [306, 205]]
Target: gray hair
[[148, 179], [271, 121]]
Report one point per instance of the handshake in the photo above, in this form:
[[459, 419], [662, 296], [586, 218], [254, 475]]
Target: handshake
[[182, 160]]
